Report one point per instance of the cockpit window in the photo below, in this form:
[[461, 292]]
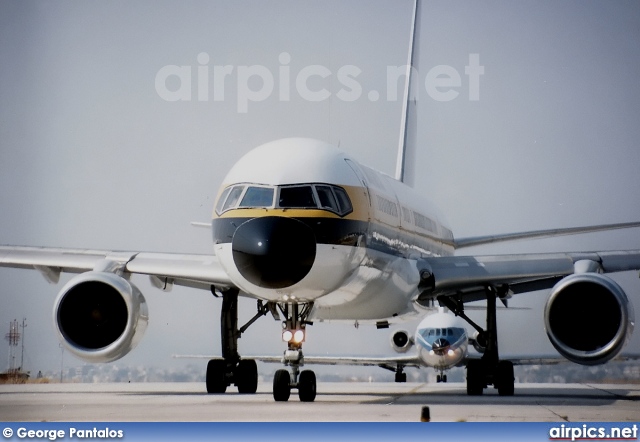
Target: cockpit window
[[344, 204], [257, 197], [223, 197], [327, 200], [298, 197], [233, 198]]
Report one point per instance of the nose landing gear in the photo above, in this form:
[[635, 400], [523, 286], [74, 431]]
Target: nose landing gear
[[294, 332], [232, 369], [304, 381]]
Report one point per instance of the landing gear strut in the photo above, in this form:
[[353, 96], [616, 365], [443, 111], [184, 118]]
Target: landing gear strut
[[489, 369], [231, 369], [293, 332]]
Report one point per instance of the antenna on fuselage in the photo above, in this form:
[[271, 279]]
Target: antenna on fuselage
[[408, 123]]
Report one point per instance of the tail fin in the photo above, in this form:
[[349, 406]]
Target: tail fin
[[408, 124]]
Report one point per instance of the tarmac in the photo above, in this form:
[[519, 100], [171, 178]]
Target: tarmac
[[353, 402]]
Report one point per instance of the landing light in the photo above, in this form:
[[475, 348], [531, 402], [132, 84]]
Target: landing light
[[295, 336], [298, 336], [431, 352], [450, 352]]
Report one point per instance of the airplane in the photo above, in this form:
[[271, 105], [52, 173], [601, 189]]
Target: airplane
[[441, 340], [318, 236]]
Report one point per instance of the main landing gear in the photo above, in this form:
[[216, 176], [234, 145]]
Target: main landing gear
[[243, 373], [489, 369], [294, 334], [231, 369]]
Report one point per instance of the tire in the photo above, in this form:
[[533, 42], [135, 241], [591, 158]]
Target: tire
[[216, 376], [307, 386], [281, 386], [505, 378], [475, 378], [247, 376]]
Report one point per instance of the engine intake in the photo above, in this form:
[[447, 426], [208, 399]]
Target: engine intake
[[588, 318], [401, 341], [100, 316]]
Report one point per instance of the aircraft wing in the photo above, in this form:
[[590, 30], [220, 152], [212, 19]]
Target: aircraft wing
[[192, 270], [389, 362], [384, 361], [467, 276], [461, 243], [551, 359]]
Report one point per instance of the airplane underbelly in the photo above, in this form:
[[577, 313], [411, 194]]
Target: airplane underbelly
[[380, 288]]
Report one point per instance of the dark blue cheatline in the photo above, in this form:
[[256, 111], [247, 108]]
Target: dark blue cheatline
[[273, 252]]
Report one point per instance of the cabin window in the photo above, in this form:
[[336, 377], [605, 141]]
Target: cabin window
[[257, 197], [297, 197]]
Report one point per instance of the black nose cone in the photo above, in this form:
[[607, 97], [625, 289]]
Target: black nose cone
[[273, 252]]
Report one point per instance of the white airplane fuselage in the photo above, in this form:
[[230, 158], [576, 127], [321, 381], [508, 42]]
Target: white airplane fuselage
[[297, 220]]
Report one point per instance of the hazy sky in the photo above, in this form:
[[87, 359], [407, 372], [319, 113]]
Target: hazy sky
[[91, 155]]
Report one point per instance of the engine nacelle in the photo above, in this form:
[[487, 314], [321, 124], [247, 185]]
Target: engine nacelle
[[401, 341], [479, 342], [100, 316], [588, 318]]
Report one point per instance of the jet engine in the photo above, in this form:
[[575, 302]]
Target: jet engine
[[401, 341], [100, 316], [588, 318], [479, 342]]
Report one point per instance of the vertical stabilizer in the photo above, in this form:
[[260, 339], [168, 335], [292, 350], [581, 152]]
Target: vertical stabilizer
[[405, 164]]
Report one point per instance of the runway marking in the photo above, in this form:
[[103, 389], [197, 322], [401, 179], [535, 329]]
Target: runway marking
[[563, 417], [613, 393], [412, 391]]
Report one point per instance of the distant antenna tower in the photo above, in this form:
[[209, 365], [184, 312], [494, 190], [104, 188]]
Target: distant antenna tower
[[14, 338]]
